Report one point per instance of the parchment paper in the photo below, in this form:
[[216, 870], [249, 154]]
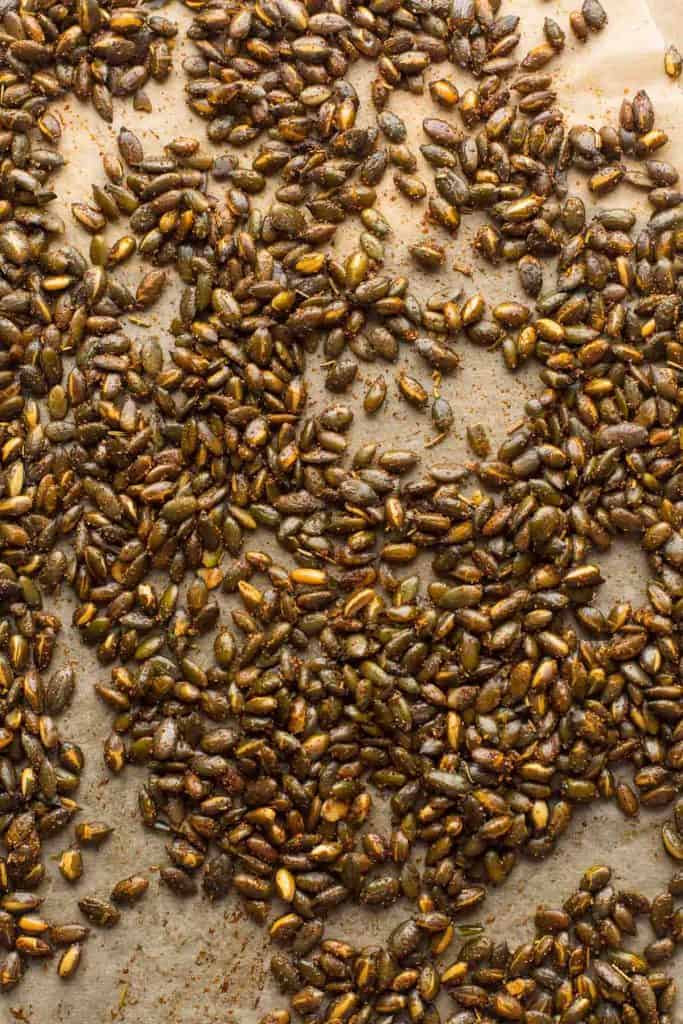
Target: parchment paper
[[190, 962]]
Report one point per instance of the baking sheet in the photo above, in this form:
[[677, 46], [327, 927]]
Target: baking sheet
[[182, 962]]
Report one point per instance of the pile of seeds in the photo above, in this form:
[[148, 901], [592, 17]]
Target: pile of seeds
[[96, 51], [578, 968], [426, 631]]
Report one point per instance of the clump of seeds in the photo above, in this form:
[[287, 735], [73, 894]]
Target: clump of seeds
[[577, 968]]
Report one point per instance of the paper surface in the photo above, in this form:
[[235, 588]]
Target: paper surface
[[185, 962]]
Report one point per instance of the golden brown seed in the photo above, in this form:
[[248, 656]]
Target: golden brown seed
[[99, 912], [92, 833], [130, 890], [69, 961], [673, 62], [429, 255], [71, 865], [412, 390]]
